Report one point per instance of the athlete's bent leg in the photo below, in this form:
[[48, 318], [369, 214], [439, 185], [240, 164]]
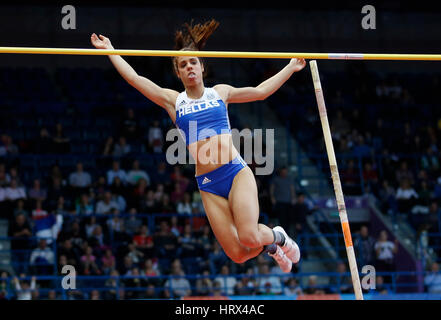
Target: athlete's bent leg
[[223, 225]]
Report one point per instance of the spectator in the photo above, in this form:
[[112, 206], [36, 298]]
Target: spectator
[[386, 197], [71, 253], [217, 258], [108, 147], [430, 161], [39, 213], [42, 259], [144, 241], [161, 175], [98, 240], [132, 223], [340, 124], [403, 173], [37, 193], [150, 269], [177, 194], [52, 295], [5, 287], [107, 204], [178, 178], [84, 207], [24, 289], [204, 241], [246, 285], [134, 283], [139, 193], [116, 172], [80, 180], [118, 188], [150, 292], [90, 226], [159, 192], [126, 266], [166, 242], [74, 232], [313, 287], [365, 244], [95, 295], [108, 262], [60, 142], [88, 262], [20, 209], [116, 227], [362, 149], [62, 262], [135, 254], [204, 285], [266, 279], [149, 204], [282, 194], [120, 201], [5, 179], [342, 282], [385, 254], [432, 280], [55, 191], [112, 284], [175, 228], [370, 176], [155, 138], [129, 127], [136, 174], [7, 147], [177, 286], [187, 243], [292, 287], [350, 177], [227, 282], [14, 192], [300, 211], [121, 148], [13, 174], [406, 197], [20, 244], [44, 143], [380, 287], [166, 205]]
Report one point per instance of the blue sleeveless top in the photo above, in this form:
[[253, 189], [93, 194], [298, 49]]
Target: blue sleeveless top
[[202, 118]]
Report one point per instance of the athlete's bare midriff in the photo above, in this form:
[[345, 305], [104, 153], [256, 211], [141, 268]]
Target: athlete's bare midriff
[[212, 153]]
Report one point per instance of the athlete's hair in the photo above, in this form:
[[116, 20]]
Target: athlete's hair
[[193, 38]]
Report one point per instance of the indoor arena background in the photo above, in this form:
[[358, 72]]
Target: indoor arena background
[[70, 124]]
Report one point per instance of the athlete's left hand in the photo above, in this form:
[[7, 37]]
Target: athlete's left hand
[[298, 64]]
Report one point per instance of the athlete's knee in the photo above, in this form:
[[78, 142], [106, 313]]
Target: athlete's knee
[[237, 254], [249, 238]]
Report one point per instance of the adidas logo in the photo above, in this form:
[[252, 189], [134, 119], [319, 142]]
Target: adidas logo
[[182, 102], [206, 180]]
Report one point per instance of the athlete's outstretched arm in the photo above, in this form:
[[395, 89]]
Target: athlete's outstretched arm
[[263, 90], [161, 96]]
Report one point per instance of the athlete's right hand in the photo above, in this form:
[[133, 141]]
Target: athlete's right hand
[[101, 42]]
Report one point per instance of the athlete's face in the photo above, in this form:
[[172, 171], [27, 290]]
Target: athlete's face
[[189, 70]]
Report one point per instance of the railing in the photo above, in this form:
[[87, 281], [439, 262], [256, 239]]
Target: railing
[[429, 248], [19, 257], [119, 287]]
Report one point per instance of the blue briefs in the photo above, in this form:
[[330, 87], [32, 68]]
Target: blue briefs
[[220, 180]]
